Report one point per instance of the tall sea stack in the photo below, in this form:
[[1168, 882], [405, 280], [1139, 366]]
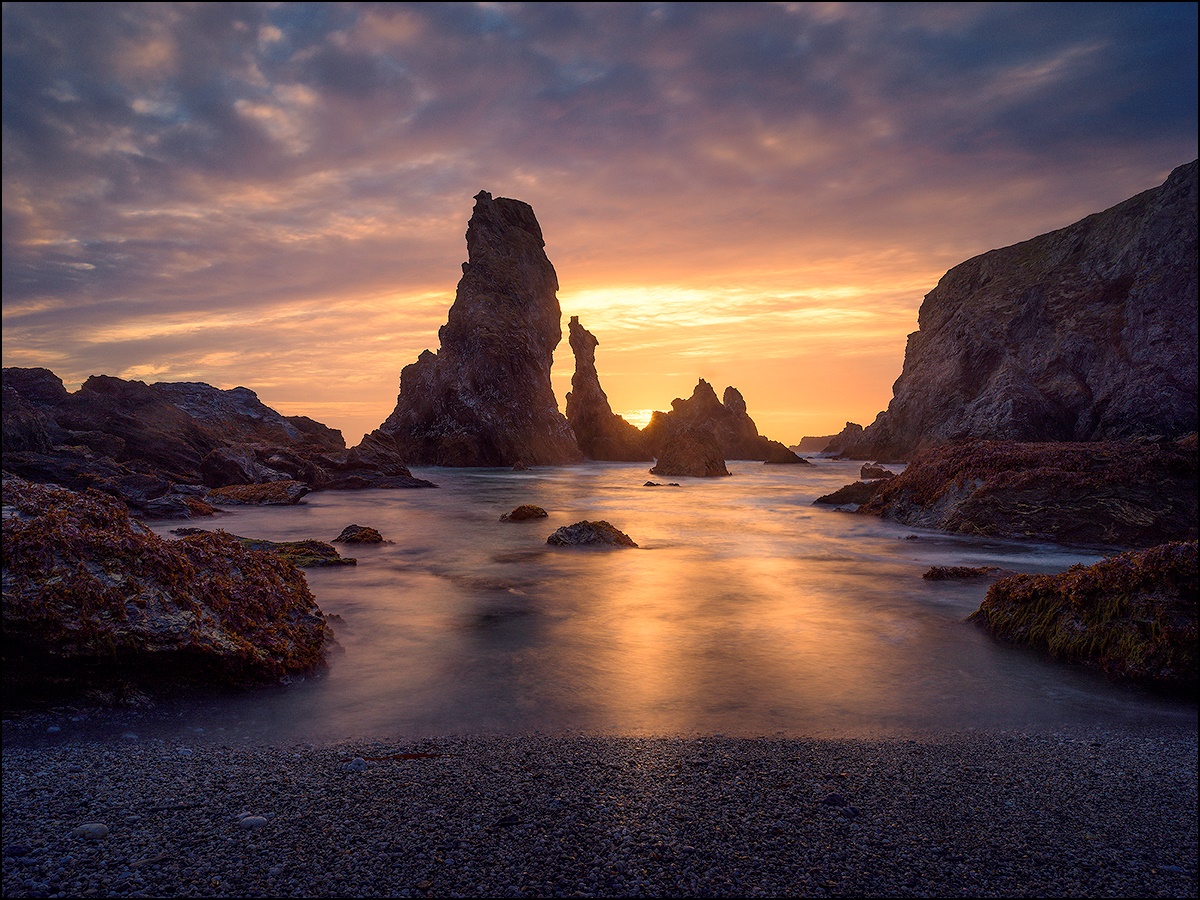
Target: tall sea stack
[[1082, 334], [601, 433], [484, 398]]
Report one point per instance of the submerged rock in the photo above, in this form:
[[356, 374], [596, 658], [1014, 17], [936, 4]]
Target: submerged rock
[[1131, 616], [523, 513], [857, 493], [485, 398], [305, 554], [269, 493], [590, 533], [600, 432], [91, 596], [871, 471]]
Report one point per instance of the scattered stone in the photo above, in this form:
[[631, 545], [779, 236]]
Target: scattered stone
[[359, 534], [523, 513], [357, 764], [91, 831], [251, 823], [590, 533], [834, 800]]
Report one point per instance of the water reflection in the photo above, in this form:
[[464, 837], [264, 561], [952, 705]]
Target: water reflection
[[746, 610]]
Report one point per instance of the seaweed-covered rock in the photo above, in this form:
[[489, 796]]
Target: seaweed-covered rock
[[872, 471], [1123, 494], [359, 534], [587, 533], [1132, 616], [960, 573], [92, 599], [268, 493], [524, 513], [305, 554]]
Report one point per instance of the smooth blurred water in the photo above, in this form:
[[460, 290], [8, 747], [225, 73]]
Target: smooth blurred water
[[746, 610]]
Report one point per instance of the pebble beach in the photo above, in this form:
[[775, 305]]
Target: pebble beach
[[1101, 813]]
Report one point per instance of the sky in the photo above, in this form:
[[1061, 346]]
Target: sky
[[758, 194]]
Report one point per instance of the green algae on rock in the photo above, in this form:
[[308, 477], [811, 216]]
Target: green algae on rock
[[1132, 616], [90, 596]]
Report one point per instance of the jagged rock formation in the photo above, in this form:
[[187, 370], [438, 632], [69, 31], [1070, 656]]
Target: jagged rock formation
[[94, 600], [1082, 334], [732, 428], [485, 399], [848, 436], [160, 447], [600, 433]]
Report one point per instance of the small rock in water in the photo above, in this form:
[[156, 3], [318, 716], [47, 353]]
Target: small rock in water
[[91, 831]]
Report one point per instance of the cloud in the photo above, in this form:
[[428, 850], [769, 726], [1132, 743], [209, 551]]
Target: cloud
[[216, 163]]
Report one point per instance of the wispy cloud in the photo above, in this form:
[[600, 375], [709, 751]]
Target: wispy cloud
[[254, 193]]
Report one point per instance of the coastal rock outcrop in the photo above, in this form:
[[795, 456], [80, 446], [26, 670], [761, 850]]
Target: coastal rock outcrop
[[1131, 616], [92, 599], [600, 433], [1082, 334], [485, 398], [161, 447], [524, 513], [1125, 494], [732, 429]]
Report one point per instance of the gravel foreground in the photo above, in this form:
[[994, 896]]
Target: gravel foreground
[[976, 814]]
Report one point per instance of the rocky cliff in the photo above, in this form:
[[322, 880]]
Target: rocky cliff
[[600, 433], [1082, 334], [484, 398], [160, 447], [736, 434]]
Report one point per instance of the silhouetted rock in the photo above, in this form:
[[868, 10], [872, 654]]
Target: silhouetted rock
[[732, 429], [812, 445], [690, 450], [91, 599], [1133, 493], [847, 437], [600, 433], [960, 573], [485, 398], [523, 513], [590, 533], [111, 433], [1131, 616], [1082, 334]]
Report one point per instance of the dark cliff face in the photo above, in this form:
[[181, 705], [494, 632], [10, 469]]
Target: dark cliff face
[[600, 432], [1082, 334], [485, 399]]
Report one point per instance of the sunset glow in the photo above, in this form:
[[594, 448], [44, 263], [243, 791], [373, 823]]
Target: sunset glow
[[760, 195]]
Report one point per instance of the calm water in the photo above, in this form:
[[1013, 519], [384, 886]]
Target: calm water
[[746, 611]]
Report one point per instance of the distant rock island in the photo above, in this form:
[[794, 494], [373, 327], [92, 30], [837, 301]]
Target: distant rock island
[[600, 433], [1082, 334], [484, 398], [711, 428]]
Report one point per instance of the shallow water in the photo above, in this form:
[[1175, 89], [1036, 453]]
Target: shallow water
[[746, 610]]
